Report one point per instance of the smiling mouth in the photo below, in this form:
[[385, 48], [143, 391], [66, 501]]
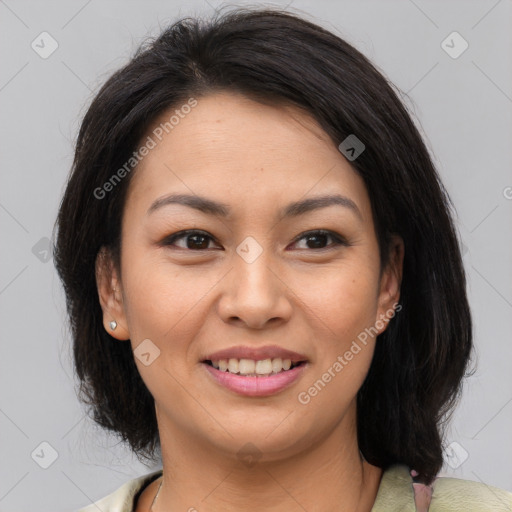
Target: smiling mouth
[[252, 367]]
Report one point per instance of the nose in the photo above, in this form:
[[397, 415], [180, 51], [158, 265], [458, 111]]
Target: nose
[[254, 293]]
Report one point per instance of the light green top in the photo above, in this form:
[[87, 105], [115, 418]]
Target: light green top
[[395, 494], [450, 495]]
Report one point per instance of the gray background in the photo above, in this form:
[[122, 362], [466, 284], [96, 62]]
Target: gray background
[[464, 105]]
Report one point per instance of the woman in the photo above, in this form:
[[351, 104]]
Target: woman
[[263, 277]]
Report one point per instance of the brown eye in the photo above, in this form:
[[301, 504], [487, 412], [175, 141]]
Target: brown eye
[[319, 238], [194, 240]]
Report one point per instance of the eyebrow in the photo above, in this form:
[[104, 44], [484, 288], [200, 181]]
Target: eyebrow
[[295, 209]]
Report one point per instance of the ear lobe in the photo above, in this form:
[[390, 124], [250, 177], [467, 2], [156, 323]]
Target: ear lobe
[[391, 280], [110, 296]]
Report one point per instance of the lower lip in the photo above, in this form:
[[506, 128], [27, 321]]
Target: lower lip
[[256, 386]]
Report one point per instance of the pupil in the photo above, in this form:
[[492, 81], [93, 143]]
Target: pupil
[[195, 245], [312, 237]]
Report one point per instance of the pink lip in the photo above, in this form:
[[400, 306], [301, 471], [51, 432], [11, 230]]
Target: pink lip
[[257, 354], [256, 386]]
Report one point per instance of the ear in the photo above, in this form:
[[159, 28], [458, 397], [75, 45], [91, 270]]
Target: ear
[[390, 281], [110, 295]]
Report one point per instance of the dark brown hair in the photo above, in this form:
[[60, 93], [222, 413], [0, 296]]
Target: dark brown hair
[[276, 57]]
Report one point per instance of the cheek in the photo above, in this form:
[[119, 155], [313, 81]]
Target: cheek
[[343, 299], [166, 303], [164, 306], [345, 306]]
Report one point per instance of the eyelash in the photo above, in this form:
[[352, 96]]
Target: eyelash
[[338, 239]]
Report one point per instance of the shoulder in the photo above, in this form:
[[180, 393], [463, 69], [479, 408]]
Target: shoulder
[[122, 500], [449, 494], [453, 494]]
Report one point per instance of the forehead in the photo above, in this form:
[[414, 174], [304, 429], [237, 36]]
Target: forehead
[[229, 146]]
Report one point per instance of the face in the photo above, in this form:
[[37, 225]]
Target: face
[[256, 279]]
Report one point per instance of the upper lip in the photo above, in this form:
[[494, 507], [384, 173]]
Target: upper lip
[[267, 352]]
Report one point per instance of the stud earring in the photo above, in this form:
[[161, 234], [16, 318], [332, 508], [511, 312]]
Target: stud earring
[[113, 325]]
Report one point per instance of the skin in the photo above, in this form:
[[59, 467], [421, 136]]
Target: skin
[[191, 303]]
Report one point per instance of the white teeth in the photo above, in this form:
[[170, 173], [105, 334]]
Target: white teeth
[[252, 367], [246, 366], [264, 367], [277, 365], [233, 366]]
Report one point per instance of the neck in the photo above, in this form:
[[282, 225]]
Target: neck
[[328, 476]]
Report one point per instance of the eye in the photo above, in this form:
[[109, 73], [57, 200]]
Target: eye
[[194, 240], [317, 239]]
